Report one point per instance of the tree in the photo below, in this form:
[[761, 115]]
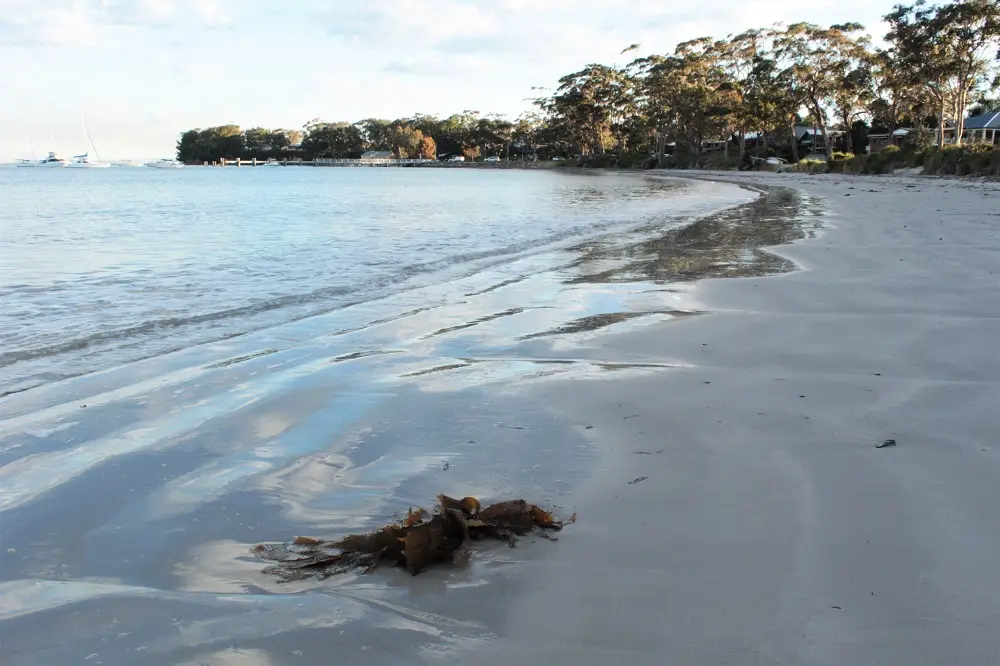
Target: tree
[[946, 50], [336, 140], [374, 133], [257, 142], [893, 91], [591, 104], [292, 137], [428, 149], [738, 58], [404, 141], [212, 144], [970, 31], [819, 61], [774, 99]]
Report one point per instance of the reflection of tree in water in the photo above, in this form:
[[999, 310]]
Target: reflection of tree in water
[[726, 244]]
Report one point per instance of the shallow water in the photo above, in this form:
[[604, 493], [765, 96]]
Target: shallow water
[[129, 497], [98, 269]]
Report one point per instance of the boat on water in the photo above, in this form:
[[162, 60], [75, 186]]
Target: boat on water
[[164, 163], [51, 161], [33, 162], [84, 162]]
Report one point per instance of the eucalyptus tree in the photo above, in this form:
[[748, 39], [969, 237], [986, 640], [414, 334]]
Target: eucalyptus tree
[[739, 56], [820, 60], [948, 50], [894, 93], [593, 104], [971, 32]]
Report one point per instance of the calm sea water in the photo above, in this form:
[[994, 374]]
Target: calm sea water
[[99, 268]]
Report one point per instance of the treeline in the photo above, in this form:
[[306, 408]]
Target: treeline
[[747, 91], [938, 60], [469, 134]]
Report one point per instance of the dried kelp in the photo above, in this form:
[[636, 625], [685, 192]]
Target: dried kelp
[[414, 543]]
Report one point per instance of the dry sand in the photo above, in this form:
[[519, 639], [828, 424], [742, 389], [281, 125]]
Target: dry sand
[[716, 438]]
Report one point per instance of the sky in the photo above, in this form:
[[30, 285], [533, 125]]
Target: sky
[[139, 72]]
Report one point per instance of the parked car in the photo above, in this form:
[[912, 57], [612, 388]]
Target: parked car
[[558, 158], [457, 158], [492, 158]]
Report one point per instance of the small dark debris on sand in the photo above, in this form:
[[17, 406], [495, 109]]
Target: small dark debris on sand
[[885, 444], [637, 480], [413, 543]]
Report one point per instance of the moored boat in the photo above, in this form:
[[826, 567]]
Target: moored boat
[[84, 162], [164, 163]]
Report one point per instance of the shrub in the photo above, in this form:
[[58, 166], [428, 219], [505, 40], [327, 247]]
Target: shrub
[[811, 166], [885, 161], [857, 164], [972, 160]]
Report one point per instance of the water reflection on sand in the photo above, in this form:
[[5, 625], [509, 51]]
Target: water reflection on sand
[[129, 498]]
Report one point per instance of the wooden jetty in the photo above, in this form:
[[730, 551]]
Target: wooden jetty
[[324, 162]]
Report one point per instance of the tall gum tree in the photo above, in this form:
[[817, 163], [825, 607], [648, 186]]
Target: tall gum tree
[[820, 60]]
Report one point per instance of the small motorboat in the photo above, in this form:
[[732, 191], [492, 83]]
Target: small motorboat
[[164, 163]]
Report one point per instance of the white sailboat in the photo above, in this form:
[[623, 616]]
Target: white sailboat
[[83, 161], [34, 159]]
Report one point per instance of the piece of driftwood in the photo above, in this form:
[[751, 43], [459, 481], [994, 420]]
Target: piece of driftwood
[[414, 543]]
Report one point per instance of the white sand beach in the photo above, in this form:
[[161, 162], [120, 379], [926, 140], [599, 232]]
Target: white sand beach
[[768, 528]]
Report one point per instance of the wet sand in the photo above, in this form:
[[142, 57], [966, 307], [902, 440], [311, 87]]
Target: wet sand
[[714, 435], [768, 528]]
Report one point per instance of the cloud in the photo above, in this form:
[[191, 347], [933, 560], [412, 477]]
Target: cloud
[[555, 28], [434, 65], [96, 22], [483, 44]]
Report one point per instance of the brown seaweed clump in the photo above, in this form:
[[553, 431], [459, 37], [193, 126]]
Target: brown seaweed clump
[[413, 543]]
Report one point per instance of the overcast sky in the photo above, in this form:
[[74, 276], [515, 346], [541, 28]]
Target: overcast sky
[[141, 71]]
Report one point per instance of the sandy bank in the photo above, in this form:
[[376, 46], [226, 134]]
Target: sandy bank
[[768, 529]]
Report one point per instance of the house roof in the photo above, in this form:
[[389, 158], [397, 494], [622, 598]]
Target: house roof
[[989, 120]]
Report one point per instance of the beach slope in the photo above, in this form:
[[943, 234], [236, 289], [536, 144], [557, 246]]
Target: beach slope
[[742, 513]]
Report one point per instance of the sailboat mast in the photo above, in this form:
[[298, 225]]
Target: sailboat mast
[[89, 138]]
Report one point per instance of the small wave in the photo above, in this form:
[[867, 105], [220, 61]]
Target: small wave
[[132, 342], [76, 344]]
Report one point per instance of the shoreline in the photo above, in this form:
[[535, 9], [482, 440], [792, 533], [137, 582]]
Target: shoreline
[[59, 358], [760, 510]]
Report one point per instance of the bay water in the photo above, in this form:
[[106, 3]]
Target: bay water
[[102, 267]]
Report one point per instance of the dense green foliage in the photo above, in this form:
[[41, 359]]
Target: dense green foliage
[[744, 94]]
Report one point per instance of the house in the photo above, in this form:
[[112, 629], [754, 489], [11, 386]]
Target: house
[[879, 142], [984, 128], [812, 137]]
